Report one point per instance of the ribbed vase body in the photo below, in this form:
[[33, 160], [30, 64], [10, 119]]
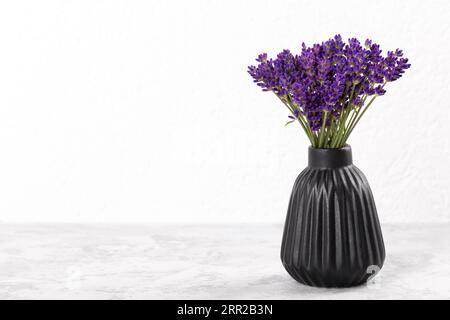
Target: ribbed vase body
[[332, 236]]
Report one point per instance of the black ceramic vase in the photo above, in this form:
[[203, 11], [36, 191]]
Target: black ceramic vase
[[332, 236]]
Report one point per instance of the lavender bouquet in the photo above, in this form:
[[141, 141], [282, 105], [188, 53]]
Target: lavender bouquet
[[328, 87]]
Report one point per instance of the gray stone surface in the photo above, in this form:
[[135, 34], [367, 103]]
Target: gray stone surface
[[75, 261]]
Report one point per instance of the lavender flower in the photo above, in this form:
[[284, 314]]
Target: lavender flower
[[326, 86]]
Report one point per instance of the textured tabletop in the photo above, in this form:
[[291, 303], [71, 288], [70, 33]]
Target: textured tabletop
[[76, 261]]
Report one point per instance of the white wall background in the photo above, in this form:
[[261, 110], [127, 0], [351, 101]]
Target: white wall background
[[142, 111]]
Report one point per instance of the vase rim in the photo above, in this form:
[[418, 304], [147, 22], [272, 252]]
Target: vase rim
[[322, 158]]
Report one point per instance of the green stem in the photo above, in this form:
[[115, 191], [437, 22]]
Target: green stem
[[311, 139], [332, 132], [345, 111], [304, 121], [358, 116], [355, 113], [350, 129], [322, 130]]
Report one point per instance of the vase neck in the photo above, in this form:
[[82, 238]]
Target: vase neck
[[329, 158]]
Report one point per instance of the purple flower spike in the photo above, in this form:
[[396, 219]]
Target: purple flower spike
[[330, 77], [328, 83]]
